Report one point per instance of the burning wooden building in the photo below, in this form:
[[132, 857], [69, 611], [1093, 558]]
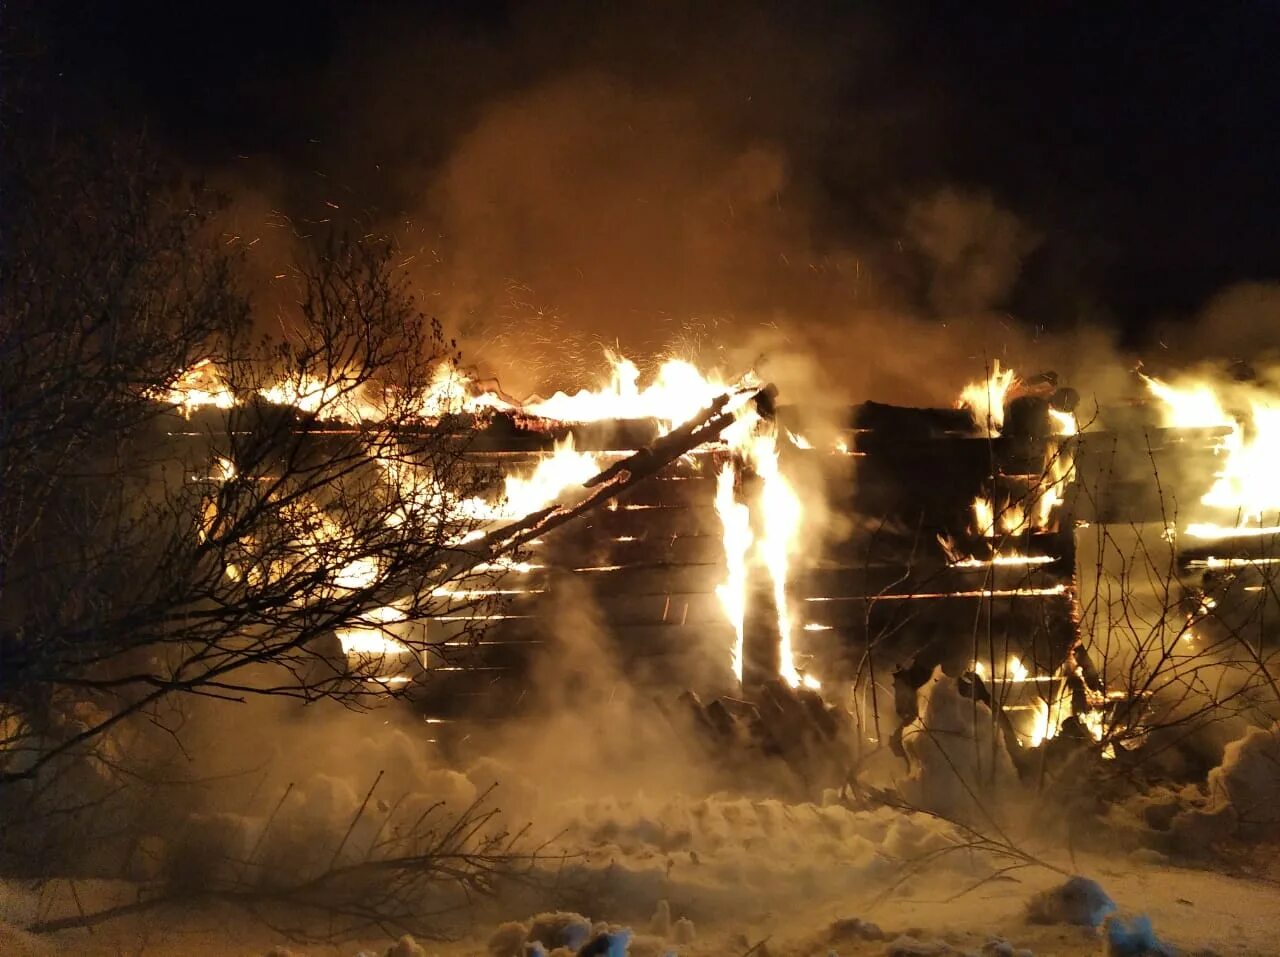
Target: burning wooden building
[[730, 556]]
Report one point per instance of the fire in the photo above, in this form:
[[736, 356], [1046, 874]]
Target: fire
[[1064, 423], [1191, 407], [198, 386], [755, 443], [370, 638], [452, 392], [1049, 715], [994, 517], [1209, 530], [986, 398], [1247, 481], [993, 520], [554, 475], [782, 515], [1015, 670], [735, 520], [1250, 451], [1002, 560], [1059, 472], [336, 396], [677, 393]]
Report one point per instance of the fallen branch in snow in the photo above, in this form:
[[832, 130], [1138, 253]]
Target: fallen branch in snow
[[400, 880]]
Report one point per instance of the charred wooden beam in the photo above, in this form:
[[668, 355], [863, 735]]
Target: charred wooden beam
[[908, 424]]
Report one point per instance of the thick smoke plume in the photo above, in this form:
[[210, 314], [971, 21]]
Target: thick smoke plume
[[581, 180]]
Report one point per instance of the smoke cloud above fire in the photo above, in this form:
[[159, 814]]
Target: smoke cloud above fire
[[876, 188], [584, 180]]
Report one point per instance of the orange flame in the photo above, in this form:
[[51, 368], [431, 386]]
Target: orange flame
[[986, 398], [735, 520], [1249, 452], [677, 393]]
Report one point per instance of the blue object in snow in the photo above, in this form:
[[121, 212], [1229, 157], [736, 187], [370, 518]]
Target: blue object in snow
[[1134, 938]]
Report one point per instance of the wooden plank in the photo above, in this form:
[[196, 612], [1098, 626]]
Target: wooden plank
[[925, 579]]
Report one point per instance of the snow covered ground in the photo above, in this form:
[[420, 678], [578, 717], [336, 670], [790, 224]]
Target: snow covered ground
[[643, 841], [766, 885]]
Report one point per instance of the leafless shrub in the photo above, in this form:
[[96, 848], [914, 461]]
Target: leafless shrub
[[153, 555]]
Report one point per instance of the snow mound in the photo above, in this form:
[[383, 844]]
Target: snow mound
[[1248, 781], [660, 924], [709, 849], [508, 939], [406, 946], [948, 770], [999, 947], [684, 931], [1079, 901], [850, 929], [560, 929], [907, 946]]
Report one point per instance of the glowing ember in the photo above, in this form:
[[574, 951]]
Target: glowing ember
[[986, 398], [1208, 530], [1212, 562], [972, 593], [1003, 560]]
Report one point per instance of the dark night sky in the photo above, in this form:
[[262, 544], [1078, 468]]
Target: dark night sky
[[1140, 145]]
